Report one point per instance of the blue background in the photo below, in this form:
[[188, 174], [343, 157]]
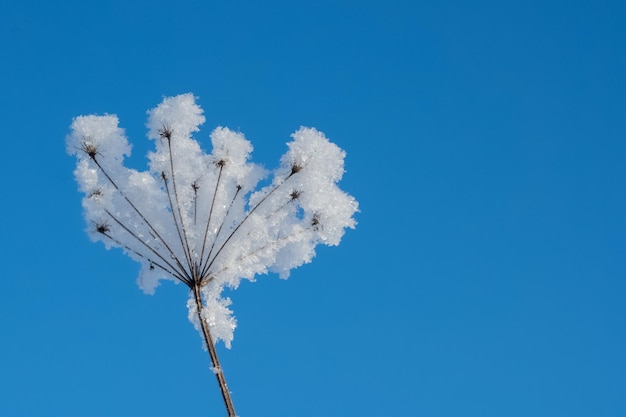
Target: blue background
[[486, 146]]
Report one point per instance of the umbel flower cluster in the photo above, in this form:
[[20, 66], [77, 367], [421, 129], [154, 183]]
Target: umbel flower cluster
[[201, 219]]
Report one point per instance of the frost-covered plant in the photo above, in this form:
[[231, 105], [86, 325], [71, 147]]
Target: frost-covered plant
[[199, 219]]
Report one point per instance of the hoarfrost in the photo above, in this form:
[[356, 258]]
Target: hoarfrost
[[198, 218]]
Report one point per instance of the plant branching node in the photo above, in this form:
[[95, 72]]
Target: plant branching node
[[166, 133], [295, 168], [315, 221], [103, 228], [95, 193], [89, 148], [295, 194]]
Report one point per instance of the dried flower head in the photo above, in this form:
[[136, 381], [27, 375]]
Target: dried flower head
[[199, 219]]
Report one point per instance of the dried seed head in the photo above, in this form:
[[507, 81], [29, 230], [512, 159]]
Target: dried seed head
[[89, 148], [103, 228], [166, 133], [295, 194], [195, 186], [295, 168], [220, 163], [315, 221], [96, 193]]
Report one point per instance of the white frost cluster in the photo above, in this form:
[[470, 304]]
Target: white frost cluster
[[198, 218]]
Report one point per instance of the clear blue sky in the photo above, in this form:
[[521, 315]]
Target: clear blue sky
[[485, 143]]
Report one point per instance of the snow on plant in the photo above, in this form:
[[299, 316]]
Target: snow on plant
[[199, 219]]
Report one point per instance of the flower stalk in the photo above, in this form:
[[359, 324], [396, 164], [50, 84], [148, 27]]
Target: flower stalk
[[208, 340]]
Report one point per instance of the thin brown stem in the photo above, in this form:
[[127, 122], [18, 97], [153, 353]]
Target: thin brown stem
[[143, 218], [211, 261], [254, 252], [208, 223], [183, 272], [178, 228], [208, 340], [217, 235], [180, 214], [195, 188], [152, 262]]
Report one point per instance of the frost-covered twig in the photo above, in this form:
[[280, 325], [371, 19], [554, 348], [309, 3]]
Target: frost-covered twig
[[197, 219], [217, 367]]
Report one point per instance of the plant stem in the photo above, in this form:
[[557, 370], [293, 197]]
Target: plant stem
[[208, 340]]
